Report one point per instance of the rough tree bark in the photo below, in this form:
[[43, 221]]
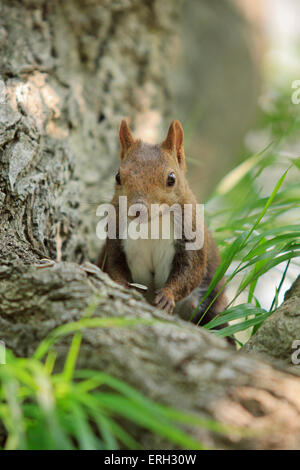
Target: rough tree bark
[[170, 361], [71, 70], [280, 331]]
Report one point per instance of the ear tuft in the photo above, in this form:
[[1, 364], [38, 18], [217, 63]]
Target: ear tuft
[[126, 138], [174, 142]]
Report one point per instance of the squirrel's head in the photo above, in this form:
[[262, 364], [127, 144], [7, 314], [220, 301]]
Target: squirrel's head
[[152, 174]]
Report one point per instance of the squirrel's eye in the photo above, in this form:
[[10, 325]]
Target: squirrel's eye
[[171, 179], [118, 178]]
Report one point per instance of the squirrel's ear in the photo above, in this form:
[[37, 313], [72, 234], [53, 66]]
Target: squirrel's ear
[[174, 141], [126, 137]]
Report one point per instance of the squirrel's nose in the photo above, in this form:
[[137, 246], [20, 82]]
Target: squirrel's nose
[[138, 209], [135, 216]]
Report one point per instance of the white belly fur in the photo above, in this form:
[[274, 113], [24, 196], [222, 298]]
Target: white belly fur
[[149, 261]]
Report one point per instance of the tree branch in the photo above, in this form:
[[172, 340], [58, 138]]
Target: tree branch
[[169, 360]]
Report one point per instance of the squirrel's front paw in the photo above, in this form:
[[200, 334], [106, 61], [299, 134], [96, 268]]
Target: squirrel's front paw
[[165, 300]]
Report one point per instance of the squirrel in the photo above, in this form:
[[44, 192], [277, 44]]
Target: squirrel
[[176, 278]]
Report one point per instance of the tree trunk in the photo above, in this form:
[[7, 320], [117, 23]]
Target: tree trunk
[[277, 338], [169, 360], [70, 71]]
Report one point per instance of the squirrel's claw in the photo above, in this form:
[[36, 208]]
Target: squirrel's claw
[[164, 300]]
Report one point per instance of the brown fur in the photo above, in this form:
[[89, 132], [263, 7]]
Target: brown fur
[[144, 170]]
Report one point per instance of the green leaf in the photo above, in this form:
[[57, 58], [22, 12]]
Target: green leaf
[[235, 313]]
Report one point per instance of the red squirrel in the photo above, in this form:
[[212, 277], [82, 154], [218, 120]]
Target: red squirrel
[[176, 278]]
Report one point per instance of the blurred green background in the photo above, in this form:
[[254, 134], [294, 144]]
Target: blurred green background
[[234, 94]]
